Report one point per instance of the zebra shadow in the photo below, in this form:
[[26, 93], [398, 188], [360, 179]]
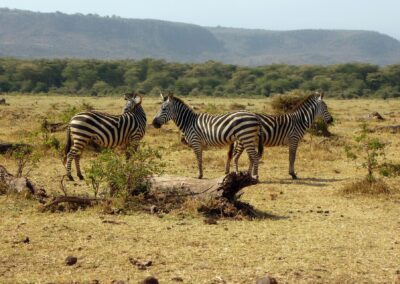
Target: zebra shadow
[[316, 182], [253, 213]]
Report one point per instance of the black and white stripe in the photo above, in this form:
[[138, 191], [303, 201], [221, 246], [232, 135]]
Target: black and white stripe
[[202, 129], [104, 129], [286, 129]]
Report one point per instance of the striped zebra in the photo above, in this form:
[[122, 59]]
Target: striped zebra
[[202, 129], [286, 129], [104, 129]]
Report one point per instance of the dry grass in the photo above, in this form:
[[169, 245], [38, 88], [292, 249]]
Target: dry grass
[[365, 187], [310, 233]]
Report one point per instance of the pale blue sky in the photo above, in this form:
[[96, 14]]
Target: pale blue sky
[[377, 15]]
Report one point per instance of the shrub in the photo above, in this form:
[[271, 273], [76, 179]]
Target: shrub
[[25, 158], [369, 149], [389, 170], [284, 103], [125, 177], [366, 187]]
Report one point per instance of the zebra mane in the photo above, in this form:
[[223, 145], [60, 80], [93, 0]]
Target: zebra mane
[[307, 99], [180, 101]]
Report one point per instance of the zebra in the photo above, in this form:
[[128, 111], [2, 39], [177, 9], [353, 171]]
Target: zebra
[[203, 129], [286, 129], [104, 129]]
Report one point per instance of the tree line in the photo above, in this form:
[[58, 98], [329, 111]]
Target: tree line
[[96, 77]]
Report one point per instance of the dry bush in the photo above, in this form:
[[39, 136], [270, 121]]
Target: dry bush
[[237, 106], [284, 103], [367, 187], [288, 102]]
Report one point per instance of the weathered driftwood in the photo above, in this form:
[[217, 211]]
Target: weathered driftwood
[[6, 147], [227, 186], [81, 201], [390, 128], [11, 184], [54, 126]]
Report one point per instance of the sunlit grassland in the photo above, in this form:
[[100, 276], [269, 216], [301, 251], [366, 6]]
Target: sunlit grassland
[[314, 234]]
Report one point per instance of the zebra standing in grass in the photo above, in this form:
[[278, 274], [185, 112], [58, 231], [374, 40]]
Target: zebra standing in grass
[[202, 129], [286, 129], [104, 129]]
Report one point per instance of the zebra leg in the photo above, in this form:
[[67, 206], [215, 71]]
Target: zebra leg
[[78, 167], [292, 157], [70, 156], [229, 159], [238, 152], [198, 152], [253, 157]]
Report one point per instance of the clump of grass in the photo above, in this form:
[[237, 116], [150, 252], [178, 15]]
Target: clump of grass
[[66, 115], [389, 170], [367, 187]]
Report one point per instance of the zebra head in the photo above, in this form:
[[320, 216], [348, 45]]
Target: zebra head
[[165, 113], [132, 100], [322, 109]]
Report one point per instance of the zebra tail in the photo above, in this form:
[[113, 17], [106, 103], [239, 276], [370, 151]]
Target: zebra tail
[[260, 145], [68, 145]]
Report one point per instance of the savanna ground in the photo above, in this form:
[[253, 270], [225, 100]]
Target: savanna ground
[[313, 233]]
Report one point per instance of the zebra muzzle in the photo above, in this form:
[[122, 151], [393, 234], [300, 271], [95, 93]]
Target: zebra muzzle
[[156, 124]]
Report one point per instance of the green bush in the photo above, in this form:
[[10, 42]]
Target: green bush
[[124, 177], [369, 149]]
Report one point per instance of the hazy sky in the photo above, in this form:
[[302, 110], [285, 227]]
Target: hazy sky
[[377, 15]]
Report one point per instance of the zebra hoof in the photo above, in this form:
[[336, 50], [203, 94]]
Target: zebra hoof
[[70, 178], [81, 177], [294, 176], [200, 177]]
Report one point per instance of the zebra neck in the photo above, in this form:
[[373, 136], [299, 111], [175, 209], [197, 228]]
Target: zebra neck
[[184, 117], [139, 114], [306, 114]]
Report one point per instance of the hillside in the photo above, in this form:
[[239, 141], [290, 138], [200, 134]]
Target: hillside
[[27, 34]]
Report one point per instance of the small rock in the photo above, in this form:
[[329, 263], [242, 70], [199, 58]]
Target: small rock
[[95, 281], [210, 221], [326, 212], [177, 279], [71, 260], [267, 279], [139, 264], [320, 211], [117, 282], [150, 280], [26, 240]]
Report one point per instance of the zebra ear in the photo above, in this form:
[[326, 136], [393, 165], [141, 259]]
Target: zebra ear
[[128, 96], [162, 97]]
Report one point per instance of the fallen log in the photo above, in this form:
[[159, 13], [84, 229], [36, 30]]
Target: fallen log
[[226, 186], [390, 128], [54, 126], [80, 201]]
